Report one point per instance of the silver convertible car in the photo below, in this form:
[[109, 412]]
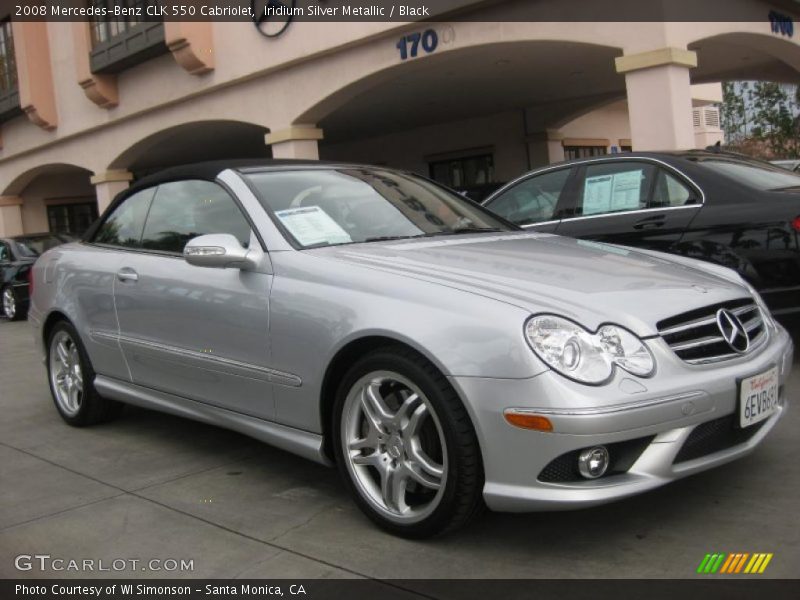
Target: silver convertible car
[[440, 357]]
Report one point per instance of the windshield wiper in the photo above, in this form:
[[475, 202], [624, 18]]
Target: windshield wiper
[[459, 230], [389, 238]]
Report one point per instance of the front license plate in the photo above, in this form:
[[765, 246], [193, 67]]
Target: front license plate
[[758, 397]]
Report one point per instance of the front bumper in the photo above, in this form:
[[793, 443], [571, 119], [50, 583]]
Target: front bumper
[[662, 411]]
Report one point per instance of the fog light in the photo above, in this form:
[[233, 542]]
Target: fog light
[[593, 462]]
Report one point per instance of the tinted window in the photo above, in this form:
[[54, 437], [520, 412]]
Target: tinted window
[[319, 207], [5, 254], [533, 200], [124, 226], [183, 210], [669, 191], [753, 174], [615, 187]]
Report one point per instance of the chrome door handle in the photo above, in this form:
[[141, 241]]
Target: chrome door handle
[[127, 274]]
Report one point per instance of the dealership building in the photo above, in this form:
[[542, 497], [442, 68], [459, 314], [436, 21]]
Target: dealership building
[[476, 96]]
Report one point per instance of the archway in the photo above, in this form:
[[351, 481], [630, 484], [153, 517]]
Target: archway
[[193, 142], [55, 197], [466, 116]]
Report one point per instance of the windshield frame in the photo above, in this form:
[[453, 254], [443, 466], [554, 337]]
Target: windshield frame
[[247, 176]]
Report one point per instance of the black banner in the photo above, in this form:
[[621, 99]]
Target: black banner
[[404, 10], [707, 588]]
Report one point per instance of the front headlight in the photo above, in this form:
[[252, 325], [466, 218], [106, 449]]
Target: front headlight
[[584, 356]]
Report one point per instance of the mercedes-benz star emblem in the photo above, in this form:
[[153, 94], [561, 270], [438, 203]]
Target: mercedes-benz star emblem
[[733, 331]]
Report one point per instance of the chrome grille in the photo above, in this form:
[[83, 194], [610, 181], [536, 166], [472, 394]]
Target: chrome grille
[[696, 338]]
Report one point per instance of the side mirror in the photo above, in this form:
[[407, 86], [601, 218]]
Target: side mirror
[[219, 251]]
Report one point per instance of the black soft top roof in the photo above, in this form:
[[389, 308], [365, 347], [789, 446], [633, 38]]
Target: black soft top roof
[[209, 170]]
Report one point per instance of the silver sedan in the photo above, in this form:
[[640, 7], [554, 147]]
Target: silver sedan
[[441, 358]]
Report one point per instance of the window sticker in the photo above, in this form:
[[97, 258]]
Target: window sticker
[[311, 225], [612, 193]]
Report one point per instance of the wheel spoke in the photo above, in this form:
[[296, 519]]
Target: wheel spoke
[[394, 482], [364, 444], [423, 469], [423, 478], [411, 430], [375, 408], [73, 396], [63, 354], [405, 410], [370, 460], [78, 375]]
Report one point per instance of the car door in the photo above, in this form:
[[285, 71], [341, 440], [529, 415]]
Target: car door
[[535, 202], [199, 333], [631, 202], [91, 278]]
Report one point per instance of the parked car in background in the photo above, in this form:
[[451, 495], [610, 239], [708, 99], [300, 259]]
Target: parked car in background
[[791, 165], [722, 208], [17, 254], [440, 356]]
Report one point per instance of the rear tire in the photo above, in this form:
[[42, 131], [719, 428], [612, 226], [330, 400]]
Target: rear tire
[[405, 445], [71, 379], [11, 305]]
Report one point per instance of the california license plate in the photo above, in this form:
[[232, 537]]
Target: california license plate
[[758, 397]]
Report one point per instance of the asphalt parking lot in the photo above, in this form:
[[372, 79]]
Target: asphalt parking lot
[[155, 486]]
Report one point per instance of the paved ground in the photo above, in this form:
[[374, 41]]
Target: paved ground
[[155, 486]]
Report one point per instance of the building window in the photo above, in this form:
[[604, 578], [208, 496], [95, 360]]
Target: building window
[[9, 93], [71, 218], [8, 64], [465, 172], [571, 152], [105, 28], [121, 42]]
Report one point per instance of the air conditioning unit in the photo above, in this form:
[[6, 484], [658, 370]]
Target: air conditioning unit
[[706, 117], [707, 130]]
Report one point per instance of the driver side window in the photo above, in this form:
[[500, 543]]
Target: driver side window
[[183, 210], [534, 200]]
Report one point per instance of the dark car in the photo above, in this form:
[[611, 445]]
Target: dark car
[[719, 207], [17, 254]]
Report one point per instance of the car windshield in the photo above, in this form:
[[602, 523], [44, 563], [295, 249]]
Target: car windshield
[[31, 247], [754, 174], [327, 207]]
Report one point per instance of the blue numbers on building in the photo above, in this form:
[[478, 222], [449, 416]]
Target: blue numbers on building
[[781, 24], [410, 45]]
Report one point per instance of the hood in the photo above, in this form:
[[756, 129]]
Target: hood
[[589, 282]]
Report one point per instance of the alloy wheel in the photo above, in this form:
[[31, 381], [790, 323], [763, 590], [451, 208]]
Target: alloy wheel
[[394, 448], [66, 375]]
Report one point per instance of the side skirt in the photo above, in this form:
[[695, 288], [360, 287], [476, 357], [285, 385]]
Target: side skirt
[[305, 444]]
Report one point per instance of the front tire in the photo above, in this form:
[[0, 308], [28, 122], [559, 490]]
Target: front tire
[[71, 378], [405, 445], [10, 304]]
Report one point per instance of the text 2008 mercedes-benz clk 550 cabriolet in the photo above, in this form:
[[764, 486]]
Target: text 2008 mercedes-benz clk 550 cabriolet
[[441, 357]]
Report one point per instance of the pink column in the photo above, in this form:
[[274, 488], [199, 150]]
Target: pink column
[[295, 142], [659, 98], [10, 216], [107, 185]]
